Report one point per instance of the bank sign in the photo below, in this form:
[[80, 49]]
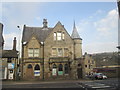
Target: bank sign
[[37, 73], [11, 66]]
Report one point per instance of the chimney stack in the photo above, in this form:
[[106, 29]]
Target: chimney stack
[[14, 44], [45, 23]]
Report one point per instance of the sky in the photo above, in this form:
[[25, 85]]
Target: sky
[[96, 22]]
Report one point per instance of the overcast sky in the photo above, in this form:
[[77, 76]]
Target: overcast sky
[[96, 22]]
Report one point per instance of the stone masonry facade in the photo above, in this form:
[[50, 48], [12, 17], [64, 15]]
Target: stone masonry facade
[[50, 53]]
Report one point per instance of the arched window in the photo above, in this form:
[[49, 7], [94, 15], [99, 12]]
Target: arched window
[[37, 67], [60, 68], [54, 70], [54, 66], [29, 66], [66, 68]]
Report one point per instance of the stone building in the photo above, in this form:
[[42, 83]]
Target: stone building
[[50, 52], [88, 64], [1, 36], [1, 47], [9, 63]]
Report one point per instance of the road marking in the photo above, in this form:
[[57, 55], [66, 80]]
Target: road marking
[[80, 85], [101, 87]]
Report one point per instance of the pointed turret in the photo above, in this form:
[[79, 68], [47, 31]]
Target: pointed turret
[[75, 34], [77, 43]]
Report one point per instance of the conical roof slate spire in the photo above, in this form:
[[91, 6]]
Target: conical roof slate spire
[[75, 32]]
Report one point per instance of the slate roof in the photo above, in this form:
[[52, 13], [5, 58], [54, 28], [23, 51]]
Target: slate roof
[[39, 32], [1, 36], [75, 34], [9, 54]]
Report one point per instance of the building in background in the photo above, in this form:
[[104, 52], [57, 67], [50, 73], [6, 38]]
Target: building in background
[[1, 36], [1, 47], [50, 52], [88, 64], [9, 63]]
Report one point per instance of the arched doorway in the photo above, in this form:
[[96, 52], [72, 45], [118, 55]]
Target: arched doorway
[[66, 69], [37, 70], [60, 69], [79, 71], [29, 72]]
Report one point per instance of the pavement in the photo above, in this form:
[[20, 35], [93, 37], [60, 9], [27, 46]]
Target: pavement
[[45, 81]]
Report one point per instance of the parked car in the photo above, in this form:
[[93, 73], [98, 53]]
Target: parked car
[[104, 76], [98, 76]]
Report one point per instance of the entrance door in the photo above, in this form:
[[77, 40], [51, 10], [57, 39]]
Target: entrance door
[[29, 72], [79, 72]]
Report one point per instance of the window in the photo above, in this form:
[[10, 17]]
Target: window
[[59, 36], [60, 68], [65, 52], [36, 52], [30, 52], [9, 60], [55, 35], [37, 67], [59, 51], [54, 66], [66, 68], [29, 66], [53, 51], [33, 52], [86, 66], [63, 36], [89, 66], [54, 70]]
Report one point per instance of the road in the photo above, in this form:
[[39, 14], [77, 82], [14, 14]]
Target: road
[[109, 84]]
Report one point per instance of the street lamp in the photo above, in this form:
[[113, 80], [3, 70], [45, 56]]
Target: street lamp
[[42, 43]]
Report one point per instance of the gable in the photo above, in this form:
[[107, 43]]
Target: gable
[[59, 28], [33, 43]]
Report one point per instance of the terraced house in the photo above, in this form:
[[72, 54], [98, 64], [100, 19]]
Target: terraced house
[[50, 52]]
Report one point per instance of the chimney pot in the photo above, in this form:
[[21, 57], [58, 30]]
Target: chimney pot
[[14, 44], [45, 23]]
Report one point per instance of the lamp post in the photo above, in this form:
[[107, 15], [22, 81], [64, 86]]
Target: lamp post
[[43, 58], [18, 64]]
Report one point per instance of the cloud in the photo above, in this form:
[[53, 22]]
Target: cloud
[[14, 14], [99, 35], [109, 24], [8, 44]]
